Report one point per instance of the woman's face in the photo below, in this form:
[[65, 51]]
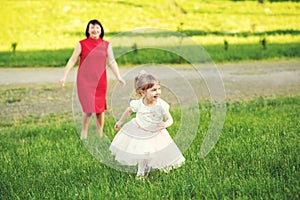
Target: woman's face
[[94, 31]]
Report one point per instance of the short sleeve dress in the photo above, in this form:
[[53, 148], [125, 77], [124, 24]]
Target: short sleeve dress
[[91, 75], [142, 139]]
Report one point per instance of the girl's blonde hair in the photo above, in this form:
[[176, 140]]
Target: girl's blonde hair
[[143, 82]]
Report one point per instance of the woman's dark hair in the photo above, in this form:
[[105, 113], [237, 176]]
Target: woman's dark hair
[[94, 21]]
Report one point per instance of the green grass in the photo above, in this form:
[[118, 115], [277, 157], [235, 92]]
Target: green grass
[[45, 32], [235, 53], [256, 157]]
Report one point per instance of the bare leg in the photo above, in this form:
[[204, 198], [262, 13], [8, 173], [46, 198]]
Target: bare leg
[[100, 123], [143, 169], [85, 125]]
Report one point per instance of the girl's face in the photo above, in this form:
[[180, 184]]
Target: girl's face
[[152, 94], [94, 31]]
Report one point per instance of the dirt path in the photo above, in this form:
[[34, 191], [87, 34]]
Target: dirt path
[[241, 80], [37, 91]]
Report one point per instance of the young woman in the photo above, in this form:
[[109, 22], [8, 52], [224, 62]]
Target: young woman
[[94, 53]]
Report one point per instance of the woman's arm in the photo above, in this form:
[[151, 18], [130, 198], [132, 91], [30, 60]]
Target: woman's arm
[[113, 65], [71, 63], [124, 116]]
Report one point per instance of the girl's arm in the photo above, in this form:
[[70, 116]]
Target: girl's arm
[[71, 63], [124, 116], [168, 121], [113, 65]]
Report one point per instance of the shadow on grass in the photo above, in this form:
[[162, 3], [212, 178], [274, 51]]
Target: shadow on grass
[[200, 33], [235, 52]]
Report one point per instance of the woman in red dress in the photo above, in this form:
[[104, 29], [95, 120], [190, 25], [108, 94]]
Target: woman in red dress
[[94, 52]]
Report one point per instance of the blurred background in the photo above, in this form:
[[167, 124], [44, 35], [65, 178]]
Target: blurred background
[[44, 33]]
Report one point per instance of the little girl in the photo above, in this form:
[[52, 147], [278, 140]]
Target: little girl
[[145, 140]]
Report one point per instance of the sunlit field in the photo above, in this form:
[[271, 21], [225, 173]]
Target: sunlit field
[[45, 32]]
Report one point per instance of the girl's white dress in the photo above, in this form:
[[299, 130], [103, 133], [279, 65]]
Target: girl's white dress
[[142, 139]]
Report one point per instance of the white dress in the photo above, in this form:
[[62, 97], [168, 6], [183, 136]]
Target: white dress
[[142, 139]]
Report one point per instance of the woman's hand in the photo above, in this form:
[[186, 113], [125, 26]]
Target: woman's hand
[[122, 81], [63, 82]]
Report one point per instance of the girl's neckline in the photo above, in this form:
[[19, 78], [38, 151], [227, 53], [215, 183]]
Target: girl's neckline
[[148, 105]]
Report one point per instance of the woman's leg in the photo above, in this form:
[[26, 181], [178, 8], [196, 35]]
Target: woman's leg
[[85, 125], [100, 123]]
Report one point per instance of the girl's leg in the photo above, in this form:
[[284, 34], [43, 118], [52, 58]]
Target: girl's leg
[[85, 125], [100, 123], [143, 168]]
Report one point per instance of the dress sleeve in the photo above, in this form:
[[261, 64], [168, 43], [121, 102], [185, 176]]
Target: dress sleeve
[[134, 105], [110, 54], [165, 107]]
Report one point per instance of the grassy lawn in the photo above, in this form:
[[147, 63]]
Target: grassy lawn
[[45, 32], [256, 157]]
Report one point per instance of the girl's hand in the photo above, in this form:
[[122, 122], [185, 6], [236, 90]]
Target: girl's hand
[[161, 125], [117, 126]]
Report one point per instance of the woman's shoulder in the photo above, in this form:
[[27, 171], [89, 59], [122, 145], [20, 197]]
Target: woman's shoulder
[[107, 44], [83, 40]]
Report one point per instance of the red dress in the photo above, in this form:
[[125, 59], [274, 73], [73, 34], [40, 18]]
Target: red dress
[[91, 75]]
